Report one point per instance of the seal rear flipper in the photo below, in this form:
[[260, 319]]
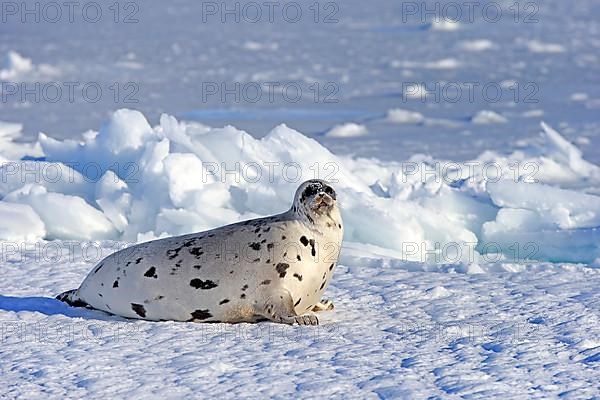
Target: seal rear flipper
[[70, 297]]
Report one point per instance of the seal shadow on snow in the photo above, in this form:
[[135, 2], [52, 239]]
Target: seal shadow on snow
[[50, 306]]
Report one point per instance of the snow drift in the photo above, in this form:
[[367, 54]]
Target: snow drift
[[131, 181]]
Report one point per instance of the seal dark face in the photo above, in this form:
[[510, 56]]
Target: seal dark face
[[315, 199]]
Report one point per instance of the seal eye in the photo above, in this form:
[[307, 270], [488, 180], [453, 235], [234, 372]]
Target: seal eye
[[329, 190]]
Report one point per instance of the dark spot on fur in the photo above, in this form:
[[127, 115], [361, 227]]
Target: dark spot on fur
[[211, 235], [281, 269], [298, 276], [139, 260], [340, 226], [98, 268], [196, 252], [189, 242], [269, 261], [263, 241], [304, 241], [100, 294], [257, 230], [139, 309], [298, 257], [201, 314], [151, 273], [297, 302], [283, 237], [322, 285], [116, 283], [256, 260], [255, 246], [224, 301], [270, 246], [128, 263], [197, 266], [231, 272], [265, 282], [331, 267], [312, 245], [244, 287], [200, 284], [267, 229], [171, 254], [243, 296]]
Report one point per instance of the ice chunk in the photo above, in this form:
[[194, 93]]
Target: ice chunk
[[400, 116], [535, 46], [178, 178], [114, 200], [11, 150], [477, 45], [186, 176], [349, 129], [488, 117], [19, 222], [64, 216], [566, 209], [15, 65]]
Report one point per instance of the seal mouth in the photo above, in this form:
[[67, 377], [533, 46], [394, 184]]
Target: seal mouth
[[322, 202]]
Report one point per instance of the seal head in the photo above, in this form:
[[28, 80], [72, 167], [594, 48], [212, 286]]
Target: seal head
[[316, 201]]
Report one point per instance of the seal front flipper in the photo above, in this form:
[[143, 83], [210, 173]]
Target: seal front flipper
[[279, 307], [323, 305]]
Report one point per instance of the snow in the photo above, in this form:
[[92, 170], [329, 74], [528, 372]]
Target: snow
[[19, 222], [15, 65], [12, 150], [445, 24], [349, 129], [401, 116], [485, 117], [536, 46], [477, 45], [17, 68], [395, 332]]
